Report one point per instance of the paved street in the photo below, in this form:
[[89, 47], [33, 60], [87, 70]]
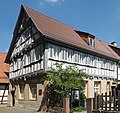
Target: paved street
[[15, 110], [5, 109]]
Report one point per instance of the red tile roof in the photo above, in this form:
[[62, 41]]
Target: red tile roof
[[4, 68], [61, 32], [58, 31]]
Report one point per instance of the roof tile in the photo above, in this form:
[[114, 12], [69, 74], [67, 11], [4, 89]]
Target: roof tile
[[62, 32], [4, 68]]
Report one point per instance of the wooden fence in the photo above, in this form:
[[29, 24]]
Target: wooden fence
[[108, 102]]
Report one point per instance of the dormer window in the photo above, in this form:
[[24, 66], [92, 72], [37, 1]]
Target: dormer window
[[91, 42], [88, 38]]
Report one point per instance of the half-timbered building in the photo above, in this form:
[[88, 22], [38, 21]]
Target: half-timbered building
[[40, 41], [116, 48]]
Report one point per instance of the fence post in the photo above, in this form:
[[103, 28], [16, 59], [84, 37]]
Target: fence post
[[114, 93], [98, 101], [89, 105], [66, 105], [110, 100], [119, 100], [106, 101], [102, 101]]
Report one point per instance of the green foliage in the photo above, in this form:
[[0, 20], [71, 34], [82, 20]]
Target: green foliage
[[78, 109], [65, 79]]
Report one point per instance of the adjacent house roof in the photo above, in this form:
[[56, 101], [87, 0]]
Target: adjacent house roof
[[4, 68], [58, 31], [115, 48]]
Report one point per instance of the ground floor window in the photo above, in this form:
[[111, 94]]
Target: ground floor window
[[21, 90], [108, 87], [97, 87], [33, 91]]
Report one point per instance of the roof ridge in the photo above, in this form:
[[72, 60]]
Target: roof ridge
[[49, 17]]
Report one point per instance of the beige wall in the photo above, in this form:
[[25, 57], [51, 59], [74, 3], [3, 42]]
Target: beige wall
[[103, 86], [90, 88], [26, 92]]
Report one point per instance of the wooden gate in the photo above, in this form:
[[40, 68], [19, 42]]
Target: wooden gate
[[108, 102]]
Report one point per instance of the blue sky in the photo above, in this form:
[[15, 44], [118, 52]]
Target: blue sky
[[98, 17]]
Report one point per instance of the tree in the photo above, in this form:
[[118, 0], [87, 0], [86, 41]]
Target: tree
[[66, 79], [62, 80]]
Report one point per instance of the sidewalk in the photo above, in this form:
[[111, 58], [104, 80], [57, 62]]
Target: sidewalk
[[5, 109]]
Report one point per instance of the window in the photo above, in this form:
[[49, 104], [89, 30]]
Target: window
[[103, 62], [108, 87], [97, 87], [37, 53], [33, 91], [21, 90], [70, 55], [66, 54], [91, 42], [76, 57], [81, 60], [51, 50], [88, 59], [27, 58], [114, 66], [56, 51], [15, 65], [63, 54], [32, 55], [19, 63]]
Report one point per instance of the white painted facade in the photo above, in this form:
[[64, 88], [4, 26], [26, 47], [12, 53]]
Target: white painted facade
[[99, 68], [91, 64]]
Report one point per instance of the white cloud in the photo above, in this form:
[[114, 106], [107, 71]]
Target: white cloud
[[54, 1]]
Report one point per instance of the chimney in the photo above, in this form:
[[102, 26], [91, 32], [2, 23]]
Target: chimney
[[114, 44]]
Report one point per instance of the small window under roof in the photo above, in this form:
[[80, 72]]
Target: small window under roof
[[91, 42], [88, 38]]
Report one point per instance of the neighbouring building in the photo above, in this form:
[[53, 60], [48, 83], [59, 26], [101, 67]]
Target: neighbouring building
[[40, 41], [4, 80], [116, 48]]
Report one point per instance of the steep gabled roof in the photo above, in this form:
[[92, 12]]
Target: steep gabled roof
[[4, 68], [58, 31]]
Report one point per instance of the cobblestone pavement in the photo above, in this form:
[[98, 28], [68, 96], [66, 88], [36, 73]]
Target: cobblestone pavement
[[15, 110]]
